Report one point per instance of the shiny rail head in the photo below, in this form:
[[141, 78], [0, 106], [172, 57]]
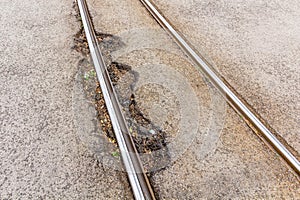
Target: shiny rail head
[[139, 182], [229, 95]]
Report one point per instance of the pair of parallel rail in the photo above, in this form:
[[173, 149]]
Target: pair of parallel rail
[[137, 177]]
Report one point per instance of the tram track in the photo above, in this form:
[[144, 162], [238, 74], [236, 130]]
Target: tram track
[[137, 176], [231, 97]]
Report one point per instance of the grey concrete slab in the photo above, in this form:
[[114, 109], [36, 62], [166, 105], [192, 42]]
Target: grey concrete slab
[[255, 46], [41, 156], [240, 168], [233, 163]]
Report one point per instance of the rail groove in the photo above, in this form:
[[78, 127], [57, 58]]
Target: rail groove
[[229, 95], [137, 177]]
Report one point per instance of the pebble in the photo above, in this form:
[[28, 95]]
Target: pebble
[[152, 131]]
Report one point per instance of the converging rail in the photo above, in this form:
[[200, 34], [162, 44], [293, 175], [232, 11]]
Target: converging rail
[[137, 177], [229, 95]]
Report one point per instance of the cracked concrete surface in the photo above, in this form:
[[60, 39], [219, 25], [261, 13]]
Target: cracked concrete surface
[[41, 156], [241, 166]]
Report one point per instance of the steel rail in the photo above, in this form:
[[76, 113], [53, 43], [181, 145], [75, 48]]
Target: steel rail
[[229, 95], [137, 177]]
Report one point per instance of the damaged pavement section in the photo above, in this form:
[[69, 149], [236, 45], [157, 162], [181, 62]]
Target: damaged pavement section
[[149, 139]]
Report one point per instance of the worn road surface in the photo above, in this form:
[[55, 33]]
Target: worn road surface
[[41, 156], [239, 165]]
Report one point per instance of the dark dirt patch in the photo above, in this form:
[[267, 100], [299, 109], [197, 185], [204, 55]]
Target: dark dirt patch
[[81, 44], [148, 137]]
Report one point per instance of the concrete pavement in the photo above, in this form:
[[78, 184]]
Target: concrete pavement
[[41, 156], [254, 45], [238, 165]]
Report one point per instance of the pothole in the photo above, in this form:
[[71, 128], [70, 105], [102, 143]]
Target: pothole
[[149, 138], [146, 135]]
